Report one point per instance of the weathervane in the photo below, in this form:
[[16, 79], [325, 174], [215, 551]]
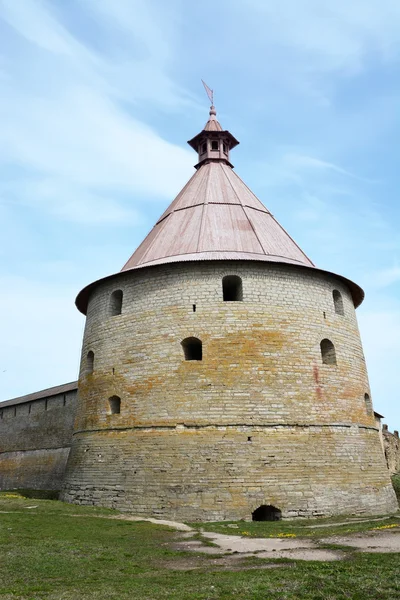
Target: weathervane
[[209, 92]]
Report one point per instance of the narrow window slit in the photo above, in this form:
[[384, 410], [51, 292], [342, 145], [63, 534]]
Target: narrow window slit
[[90, 362], [115, 305], [338, 302], [115, 405]]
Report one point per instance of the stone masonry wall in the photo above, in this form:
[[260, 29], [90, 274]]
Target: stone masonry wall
[[260, 420], [35, 439], [391, 445]]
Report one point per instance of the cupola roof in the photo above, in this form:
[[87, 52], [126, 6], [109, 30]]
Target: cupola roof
[[216, 217]]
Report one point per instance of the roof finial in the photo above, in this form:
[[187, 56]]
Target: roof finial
[[210, 94]]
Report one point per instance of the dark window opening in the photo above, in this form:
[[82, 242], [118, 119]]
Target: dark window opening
[[46, 404], [89, 362], [115, 306], [249, 438], [64, 400], [29, 409], [192, 349], [267, 512], [368, 404], [194, 308], [225, 148], [232, 288], [115, 405], [328, 352], [214, 145], [204, 148], [338, 302], [324, 315], [15, 411]]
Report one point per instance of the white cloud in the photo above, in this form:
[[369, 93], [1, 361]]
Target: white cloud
[[301, 161], [42, 348], [380, 331], [33, 21], [332, 36], [385, 277], [75, 132]]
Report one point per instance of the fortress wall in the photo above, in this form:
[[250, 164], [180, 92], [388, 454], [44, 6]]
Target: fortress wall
[[261, 377], [391, 445], [217, 474], [35, 438]]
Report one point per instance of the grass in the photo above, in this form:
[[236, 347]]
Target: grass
[[310, 528], [54, 551]]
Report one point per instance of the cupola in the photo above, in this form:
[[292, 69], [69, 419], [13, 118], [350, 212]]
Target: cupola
[[213, 144]]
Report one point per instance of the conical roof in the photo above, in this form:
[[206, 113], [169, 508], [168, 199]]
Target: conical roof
[[216, 217]]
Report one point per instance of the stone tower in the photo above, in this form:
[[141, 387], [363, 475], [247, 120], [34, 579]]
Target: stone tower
[[222, 373]]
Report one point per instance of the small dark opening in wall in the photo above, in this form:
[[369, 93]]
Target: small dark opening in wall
[[338, 302], [368, 404], [64, 400], [214, 145], [115, 306], [29, 409], [203, 147], [267, 512], [192, 348], [194, 308], [232, 288], [15, 411], [115, 405], [249, 438], [90, 362], [328, 352], [324, 315], [45, 404]]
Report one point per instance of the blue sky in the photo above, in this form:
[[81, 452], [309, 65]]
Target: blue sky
[[98, 98]]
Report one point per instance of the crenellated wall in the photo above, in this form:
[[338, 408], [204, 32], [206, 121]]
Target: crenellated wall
[[259, 420], [35, 438]]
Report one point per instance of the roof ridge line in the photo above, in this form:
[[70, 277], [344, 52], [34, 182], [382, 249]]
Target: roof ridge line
[[201, 228], [247, 216], [250, 191]]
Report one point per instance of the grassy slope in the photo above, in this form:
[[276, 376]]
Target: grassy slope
[[63, 552]]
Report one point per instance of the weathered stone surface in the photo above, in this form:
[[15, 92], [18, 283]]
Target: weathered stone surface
[[33, 469], [391, 444], [35, 438], [260, 420]]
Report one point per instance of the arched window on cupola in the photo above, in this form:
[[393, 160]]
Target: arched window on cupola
[[115, 405], [328, 352], [89, 362], [192, 348], [232, 288], [115, 305], [338, 302]]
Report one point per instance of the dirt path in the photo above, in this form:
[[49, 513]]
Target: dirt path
[[385, 540]]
